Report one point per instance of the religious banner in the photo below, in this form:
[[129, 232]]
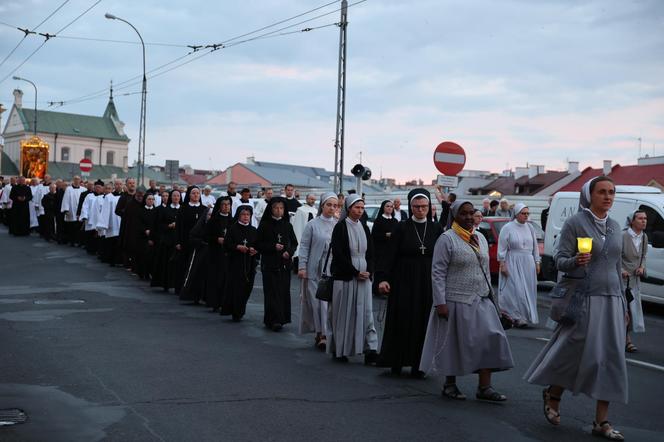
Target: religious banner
[[34, 158]]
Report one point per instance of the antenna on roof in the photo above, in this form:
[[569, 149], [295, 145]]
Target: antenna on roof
[[111, 96]]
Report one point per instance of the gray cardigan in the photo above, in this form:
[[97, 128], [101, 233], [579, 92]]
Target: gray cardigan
[[606, 278]]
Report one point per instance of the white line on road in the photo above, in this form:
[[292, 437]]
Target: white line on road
[[629, 360], [645, 365]]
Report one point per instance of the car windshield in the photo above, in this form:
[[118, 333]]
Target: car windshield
[[499, 225], [371, 211]]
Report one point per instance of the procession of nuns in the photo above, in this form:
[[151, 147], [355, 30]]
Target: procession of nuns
[[443, 317]]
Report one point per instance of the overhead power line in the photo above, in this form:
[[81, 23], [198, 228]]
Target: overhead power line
[[47, 38], [200, 50], [27, 32]]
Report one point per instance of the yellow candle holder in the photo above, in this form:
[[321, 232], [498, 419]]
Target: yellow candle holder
[[585, 245]]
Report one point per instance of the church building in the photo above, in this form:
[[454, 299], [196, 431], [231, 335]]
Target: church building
[[71, 137]]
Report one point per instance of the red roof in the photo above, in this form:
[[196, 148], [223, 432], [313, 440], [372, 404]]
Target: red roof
[[623, 175], [193, 180], [576, 184], [638, 175]]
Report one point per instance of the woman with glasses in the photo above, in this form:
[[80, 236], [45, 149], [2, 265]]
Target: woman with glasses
[[519, 260], [404, 275]]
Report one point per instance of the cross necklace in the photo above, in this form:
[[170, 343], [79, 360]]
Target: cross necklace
[[422, 247]]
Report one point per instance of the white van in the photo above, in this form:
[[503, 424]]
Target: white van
[[628, 199]]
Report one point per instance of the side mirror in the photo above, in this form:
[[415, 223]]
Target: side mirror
[[658, 240]]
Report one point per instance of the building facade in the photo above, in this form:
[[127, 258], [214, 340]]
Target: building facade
[[71, 137]]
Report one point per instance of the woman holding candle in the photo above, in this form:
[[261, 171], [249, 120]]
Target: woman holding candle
[[587, 355]]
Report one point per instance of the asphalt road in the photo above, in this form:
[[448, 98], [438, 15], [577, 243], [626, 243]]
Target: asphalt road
[[90, 353]]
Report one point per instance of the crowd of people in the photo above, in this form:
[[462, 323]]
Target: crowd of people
[[443, 316]]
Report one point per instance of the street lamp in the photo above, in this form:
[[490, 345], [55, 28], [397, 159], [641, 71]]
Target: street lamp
[[34, 86], [144, 92]]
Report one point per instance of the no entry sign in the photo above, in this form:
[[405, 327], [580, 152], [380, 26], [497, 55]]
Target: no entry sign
[[85, 165], [449, 158]]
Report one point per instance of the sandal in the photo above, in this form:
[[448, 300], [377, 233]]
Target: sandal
[[452, 391], [631, 348], [489, 394], [322, 344], [605, 430], [551, 415]]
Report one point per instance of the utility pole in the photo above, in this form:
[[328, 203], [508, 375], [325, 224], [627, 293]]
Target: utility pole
[[341, 102]]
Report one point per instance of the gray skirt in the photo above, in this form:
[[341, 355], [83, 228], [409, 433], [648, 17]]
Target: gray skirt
[[589, 356], [470, 339]]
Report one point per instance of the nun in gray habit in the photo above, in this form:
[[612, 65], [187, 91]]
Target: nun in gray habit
[[588, 356], [464, 334], [351, 314], [313, 253]]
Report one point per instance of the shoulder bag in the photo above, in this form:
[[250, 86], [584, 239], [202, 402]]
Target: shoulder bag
[[568, 297], [325, 282], [505, 320]]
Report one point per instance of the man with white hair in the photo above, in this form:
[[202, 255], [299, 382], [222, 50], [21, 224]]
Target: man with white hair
[[207, 199], [486, 206], [505, 210]]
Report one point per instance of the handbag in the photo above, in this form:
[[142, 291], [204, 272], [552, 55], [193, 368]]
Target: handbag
[[505, 320], [568, 297], [629, 296], [325, 282]]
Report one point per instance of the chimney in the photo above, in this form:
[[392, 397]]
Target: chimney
[[533, 171], [607, 167], [572, 166], [519, 172], [251, 160], [18, 98]]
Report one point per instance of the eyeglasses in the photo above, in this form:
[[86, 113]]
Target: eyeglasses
[[420, 207], [524, 213]]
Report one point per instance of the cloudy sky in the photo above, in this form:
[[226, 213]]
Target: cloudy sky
[[512, 81]]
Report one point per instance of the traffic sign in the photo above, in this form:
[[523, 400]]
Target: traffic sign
[[85, 164], [447, 181], [449, 158]]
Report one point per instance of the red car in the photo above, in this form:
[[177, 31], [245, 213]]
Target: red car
[[491, 227]]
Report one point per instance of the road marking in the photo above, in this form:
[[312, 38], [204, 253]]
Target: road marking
[[645, 364], [636, 362]]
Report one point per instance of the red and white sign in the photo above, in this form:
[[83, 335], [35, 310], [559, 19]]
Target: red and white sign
[[85, 165], [449, 158]]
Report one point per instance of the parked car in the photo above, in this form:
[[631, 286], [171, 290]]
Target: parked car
[[491, 227], [371, 211]]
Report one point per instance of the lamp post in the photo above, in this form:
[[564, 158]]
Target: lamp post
[[34, 86], [144, 92]]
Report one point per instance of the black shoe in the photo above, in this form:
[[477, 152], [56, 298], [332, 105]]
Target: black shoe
[[237, 318], [371, 358], [340, 359], [416, 374], [395, 371], [277, 327]]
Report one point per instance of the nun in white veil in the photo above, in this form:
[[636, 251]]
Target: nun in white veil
[[519, 260]]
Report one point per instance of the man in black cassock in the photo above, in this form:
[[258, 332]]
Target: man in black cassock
[[276, 243], [405, 276], [20, 195], [291, 202], [120, 210]]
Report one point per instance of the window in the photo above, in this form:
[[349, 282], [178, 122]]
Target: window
[[64, 154], [87, 154], [655, 226], [110, 158]]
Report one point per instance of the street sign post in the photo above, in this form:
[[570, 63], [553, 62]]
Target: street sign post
[[86, 166], [449, 158]]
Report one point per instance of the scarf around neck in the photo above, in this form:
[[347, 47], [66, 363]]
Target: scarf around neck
[[467, 235]]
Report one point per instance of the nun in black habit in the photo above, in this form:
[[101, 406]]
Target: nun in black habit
[[240, 244], [276, 243], [216, 231], [166, 226], [381, 232], [404, 275], [144, 238], [192, 247]]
